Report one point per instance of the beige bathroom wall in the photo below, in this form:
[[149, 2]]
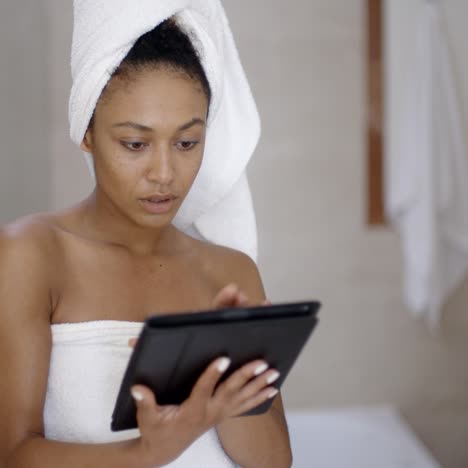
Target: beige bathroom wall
[[24, 110], [305, 61], [70, 179]]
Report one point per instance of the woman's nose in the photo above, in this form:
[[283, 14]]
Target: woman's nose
[[160, 167]]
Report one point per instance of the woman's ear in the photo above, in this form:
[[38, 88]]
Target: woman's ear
[[87, 143]]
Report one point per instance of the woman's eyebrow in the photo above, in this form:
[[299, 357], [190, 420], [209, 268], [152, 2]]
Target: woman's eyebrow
[[194, 121], [144, 128]]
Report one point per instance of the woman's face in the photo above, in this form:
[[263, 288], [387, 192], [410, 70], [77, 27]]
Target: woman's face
[[147, 141]]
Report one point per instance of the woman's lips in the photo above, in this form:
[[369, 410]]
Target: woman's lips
[[157, 205]]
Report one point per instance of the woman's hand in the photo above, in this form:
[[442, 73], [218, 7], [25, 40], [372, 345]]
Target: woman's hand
[[229, 296], [175, 427], [232, 296]]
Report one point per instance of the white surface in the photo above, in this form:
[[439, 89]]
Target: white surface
[[375, 437]]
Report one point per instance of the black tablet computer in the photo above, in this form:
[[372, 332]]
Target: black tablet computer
[[173, 350]]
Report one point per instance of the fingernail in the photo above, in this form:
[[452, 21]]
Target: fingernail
[[261, 368], [273, 393], [137, 395], [273, 377], [223, 364]]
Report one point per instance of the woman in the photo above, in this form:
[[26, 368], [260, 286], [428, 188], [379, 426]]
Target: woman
[[111, 261]]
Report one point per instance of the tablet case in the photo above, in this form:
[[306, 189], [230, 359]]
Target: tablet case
[[173, 350]]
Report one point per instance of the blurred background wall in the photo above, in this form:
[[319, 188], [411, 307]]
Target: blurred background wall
[[24, 109], [305, 62]]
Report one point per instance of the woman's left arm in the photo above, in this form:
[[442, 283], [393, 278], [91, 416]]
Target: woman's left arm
[[258, 441], [262, 440]]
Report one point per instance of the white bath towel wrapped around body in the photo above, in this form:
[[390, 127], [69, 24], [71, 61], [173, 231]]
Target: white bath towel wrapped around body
[[87, 364], [219, 205]]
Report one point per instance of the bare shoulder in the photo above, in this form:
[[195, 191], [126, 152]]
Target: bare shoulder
[[28, 238], [226, 265], [29, 251], [27, 273]]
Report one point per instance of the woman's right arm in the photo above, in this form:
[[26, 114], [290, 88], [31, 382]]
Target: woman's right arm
[[26, 255]]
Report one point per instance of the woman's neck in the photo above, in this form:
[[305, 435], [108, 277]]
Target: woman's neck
[[106, 223]]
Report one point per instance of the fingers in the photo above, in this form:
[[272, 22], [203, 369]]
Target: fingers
[[247, 387], [266, 394], [241, 377], [205, 385], [243, 390], [145, 401], [132, 342], [244, 378], [143, 396], [230, 296], [257, 385]]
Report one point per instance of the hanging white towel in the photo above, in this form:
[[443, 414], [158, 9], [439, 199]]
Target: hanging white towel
[[427, 185], [219, 205]]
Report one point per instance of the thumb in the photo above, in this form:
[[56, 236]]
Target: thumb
[[145, 400]]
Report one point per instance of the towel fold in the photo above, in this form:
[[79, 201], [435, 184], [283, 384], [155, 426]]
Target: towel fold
[[219, 203]]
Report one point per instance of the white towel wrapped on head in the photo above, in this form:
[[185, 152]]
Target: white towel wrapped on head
[[219, 205]]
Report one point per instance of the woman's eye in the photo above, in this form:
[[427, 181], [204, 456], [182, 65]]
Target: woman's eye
[[133, 145], [186, 145]]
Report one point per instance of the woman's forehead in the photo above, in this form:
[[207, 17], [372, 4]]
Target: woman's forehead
[[153, 94]]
